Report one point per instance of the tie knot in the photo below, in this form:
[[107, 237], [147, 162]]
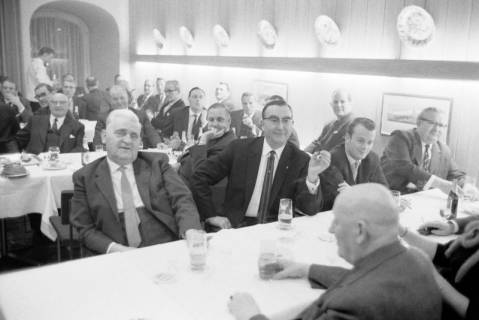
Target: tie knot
[[272, 153], [122, 168]]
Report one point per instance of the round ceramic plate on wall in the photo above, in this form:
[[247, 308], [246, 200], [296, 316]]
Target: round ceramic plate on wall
[[186, 36], [222, 38], [415, 26], [159, 39], [267, 34], [327, 30]]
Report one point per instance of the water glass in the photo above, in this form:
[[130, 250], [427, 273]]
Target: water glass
[[268, 264], [197, 248], [54, 154], [285, 214], [470, 191], [396, 197]]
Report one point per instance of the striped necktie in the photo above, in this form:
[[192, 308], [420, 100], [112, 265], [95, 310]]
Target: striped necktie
[[132, 220]]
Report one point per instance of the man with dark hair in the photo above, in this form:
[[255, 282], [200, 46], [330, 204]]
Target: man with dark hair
[[9, 95], [153, 105], [37, 72], [387, 281], [247, 118], [417, 160], [147, 94], [333, 133], [79, 91], [76, 105], [352, 162], [190, 120], [163, 121], [98, 102], [43, 93], [261, 171]]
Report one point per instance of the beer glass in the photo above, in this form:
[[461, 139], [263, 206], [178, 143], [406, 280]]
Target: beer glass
[[285, 214]]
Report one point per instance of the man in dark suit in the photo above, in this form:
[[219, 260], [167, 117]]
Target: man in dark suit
[[8, 128], [352, 162], [163, 122], [260, 171], [129, 200], [119, 100], [416, 159], [147, 94], [191, 120], [248, 117], [98, 102], [211, 142], [21, 106], [76, 105], [56, 128], [388, 280], [152, 106], [43, 94], [333, 133]]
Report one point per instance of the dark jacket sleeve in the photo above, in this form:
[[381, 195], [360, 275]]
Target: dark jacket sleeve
[[27, 114], [207, 174], [321, 276], [23, 135], [100, 125], [79, 134], [150, 137], [307, 202]]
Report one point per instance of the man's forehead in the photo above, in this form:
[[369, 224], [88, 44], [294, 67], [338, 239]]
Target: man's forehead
[[216, 113], [8, 84], [433, 115], [125, 123], [59, 97], [275, 110]]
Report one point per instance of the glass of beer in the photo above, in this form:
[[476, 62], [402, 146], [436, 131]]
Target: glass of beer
[[197, 248], [396, 197], [285, 214], [268, 264], [53, 154]]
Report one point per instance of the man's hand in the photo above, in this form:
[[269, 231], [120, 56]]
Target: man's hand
[[248, 121], [442, 184], [149, 114], [242, 306], [209, 135], [318, 163], [292, 269], [343, 186], [116, 247], [15, 100], [439, 228], [220, 222]]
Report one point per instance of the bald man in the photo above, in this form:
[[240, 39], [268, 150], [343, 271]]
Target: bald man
[[129, 199], [333, 133], [54, 128], [388, 280]]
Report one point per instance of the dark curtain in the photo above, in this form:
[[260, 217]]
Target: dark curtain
[[10, 41]]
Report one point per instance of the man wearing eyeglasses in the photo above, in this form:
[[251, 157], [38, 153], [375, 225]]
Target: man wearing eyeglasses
[[260, 172], [43, 94], [163, 121], [416, 160]]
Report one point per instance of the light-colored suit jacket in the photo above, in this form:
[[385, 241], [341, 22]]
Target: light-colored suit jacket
[[94, 211]]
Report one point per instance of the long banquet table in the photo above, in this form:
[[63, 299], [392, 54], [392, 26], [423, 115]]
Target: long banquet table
[[156, 282]]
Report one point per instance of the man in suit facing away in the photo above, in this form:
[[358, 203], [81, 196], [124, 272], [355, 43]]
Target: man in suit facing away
[[76, 105], [387, 281], [127, 200], [261, 171], [417, 160], [55, 127], [98, 102], [352, 162]]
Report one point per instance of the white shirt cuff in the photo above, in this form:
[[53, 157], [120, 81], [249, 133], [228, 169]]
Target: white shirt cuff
[[429, 182], [312, 187], [455, 226], [109, 247]]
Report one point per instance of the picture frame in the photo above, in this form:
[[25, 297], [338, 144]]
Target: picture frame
[[400, 111], [264, 89]]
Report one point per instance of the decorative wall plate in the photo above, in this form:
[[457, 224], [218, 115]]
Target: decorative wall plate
[[159, 39], [415, 26], [267, 34], [327, 30], [222, 37], [186, 36]]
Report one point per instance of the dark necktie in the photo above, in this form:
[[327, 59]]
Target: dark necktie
[[426, 160], [195, 130], [355, 170], [132, 219], [266, 190], [55, 125]]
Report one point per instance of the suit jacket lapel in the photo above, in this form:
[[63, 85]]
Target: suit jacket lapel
[[142, 177], [44, 127], [104, 183], [252, 166], [435, 158], [65, 129], [281, 172], [417, 149], [344, 163]]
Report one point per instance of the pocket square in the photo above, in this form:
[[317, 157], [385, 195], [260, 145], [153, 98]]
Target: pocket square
[[72, 136]]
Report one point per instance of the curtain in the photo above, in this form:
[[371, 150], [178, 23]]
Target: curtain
[[10, 41], [66, 39]]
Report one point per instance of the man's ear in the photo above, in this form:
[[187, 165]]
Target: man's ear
[[361, 233], [103, 136]]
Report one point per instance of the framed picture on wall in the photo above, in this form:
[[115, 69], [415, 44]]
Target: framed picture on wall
[[400, 111], [265, 89]]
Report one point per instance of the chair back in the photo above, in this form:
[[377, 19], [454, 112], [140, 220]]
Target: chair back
[[66, 197]]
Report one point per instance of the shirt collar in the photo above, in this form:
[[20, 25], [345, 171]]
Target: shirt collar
[[60, 120], [114, 167], [351, 160], [267, 148]]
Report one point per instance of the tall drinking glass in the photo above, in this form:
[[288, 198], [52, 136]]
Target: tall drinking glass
[[197, 248], [285, 214], [53, 154]]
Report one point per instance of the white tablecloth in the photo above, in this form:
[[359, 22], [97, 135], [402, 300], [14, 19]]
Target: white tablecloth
[[126, 286]]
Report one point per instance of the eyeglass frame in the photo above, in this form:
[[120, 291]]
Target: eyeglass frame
[[434, 123], [276, 120]]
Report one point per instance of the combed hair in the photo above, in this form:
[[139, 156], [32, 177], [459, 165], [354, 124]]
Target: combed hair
[[195, 88], [40, 85], [279, 102], [365, 122], [45, 50]]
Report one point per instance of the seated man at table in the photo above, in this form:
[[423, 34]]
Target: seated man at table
[[260, 172], [388, 280], [416, 159], [216, 137], [119, 100], [55, 128], [352, 162], [129, 200]]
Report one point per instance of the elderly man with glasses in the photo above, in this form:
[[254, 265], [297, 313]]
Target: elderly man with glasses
[[417, 160], [260, 172]]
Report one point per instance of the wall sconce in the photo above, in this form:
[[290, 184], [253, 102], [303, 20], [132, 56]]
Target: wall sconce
[[222, 37], [186, 36], [415, 26], [158, 38], [267, 34], [327, 31]]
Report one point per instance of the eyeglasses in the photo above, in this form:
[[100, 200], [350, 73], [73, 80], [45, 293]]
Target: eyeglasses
[[169, 90], [275, 120], [434, 123], [41, 95]]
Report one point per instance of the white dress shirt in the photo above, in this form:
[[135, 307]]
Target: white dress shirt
[[116, 180], [433, 177], [60, 121], [352, 164], [191, 120]]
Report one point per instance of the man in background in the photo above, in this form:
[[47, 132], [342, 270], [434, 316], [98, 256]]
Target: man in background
[[147, 94], [43, 93], [152, 106], [76, 105], [417, 160], [98, 102], [37, 71], [9, 96], [191, 120], [163, 122], [333, 133], [388, 280]]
